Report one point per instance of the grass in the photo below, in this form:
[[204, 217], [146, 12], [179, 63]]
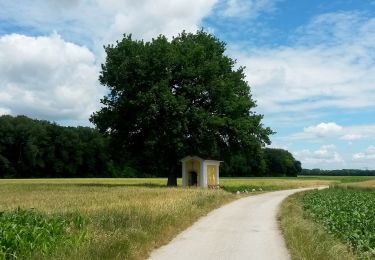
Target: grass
[[128, 218], [123, 222], [305, 238], [270, 184], [281, 183], [148, 182], [29, 234], [365, 185]]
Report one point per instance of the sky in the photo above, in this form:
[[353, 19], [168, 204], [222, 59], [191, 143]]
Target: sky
[[310, 64]]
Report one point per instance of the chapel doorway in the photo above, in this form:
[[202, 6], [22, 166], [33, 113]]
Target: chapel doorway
[[193, 178]]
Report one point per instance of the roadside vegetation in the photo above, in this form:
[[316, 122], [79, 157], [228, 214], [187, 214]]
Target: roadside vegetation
[[307, 239], [119, 222], [335, 223], [270, 184], [281, 183]]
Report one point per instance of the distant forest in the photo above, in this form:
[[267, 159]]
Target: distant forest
[[32, 148], [343, 172], [40, 149]]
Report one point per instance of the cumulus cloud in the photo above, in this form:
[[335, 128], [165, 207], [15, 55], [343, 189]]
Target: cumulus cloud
[[368, 155], [325, 155], [101, 22], [330, 65], [149, 18], [54, 76], [47, 77], [323, 129], [334, 131]]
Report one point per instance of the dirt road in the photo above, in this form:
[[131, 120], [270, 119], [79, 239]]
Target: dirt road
[[244, 229]]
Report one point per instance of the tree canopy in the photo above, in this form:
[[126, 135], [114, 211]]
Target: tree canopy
[[34, 148], [280, 162], [169, 99]]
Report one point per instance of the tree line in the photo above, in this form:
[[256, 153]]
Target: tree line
[[343, 172], [32, 148], [40, 149]]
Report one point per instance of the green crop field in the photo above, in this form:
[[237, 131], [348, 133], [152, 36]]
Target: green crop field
[[348, 214], [335, 223]]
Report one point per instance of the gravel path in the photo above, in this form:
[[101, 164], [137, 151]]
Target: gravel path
[[244, 229]]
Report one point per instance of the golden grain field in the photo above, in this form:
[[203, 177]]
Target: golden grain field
[[366, 185], [124, 222]]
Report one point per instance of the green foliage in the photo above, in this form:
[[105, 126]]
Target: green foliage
[[343, 172], [279, 162], [33, 148], [27, 234], [348, 214], [169, 99]]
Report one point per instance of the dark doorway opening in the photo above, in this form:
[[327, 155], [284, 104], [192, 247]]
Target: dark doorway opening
[[193, 178]]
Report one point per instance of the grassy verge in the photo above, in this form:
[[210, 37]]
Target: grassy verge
[[122, 222], [270, 184], [305, 238], [28, 234]]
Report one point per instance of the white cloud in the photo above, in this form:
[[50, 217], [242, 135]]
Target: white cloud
[[55, 77], [149, 18], [47, 77], [335, 131], [98, 22], [4, 111], [325, 75], [247, 8], [324, 156], [352, 137], [331, 65], [368, 155], [323, 129]]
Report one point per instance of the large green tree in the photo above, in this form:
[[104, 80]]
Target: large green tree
[[280, 162], [169, 99]]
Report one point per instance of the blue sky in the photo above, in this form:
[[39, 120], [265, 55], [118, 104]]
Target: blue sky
[[310, 64]]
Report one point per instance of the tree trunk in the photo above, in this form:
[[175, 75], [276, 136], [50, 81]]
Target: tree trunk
[[172, 176]]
